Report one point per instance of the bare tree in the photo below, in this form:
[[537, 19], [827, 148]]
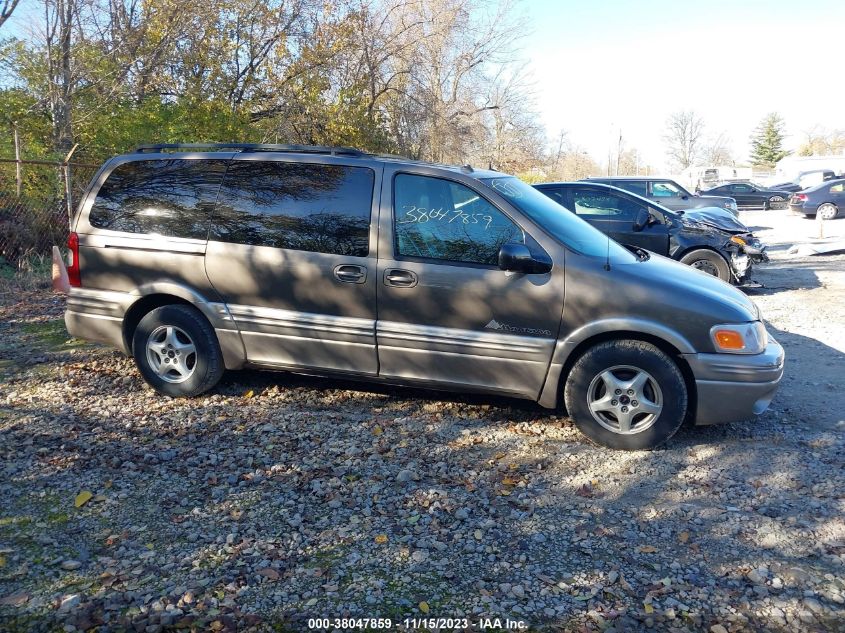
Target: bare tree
[[716, 151], [59, 17], [6, 9], [821, 142], [683, 138]]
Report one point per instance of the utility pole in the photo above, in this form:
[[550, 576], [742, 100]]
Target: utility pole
[[618, 151]]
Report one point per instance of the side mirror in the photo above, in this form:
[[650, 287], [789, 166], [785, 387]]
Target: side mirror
[[518, 258], [642, 220]]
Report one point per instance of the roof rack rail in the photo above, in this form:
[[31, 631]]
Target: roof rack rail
[[249, 147]]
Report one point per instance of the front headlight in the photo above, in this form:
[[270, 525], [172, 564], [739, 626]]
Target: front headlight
[[740, 338], [736, 239]]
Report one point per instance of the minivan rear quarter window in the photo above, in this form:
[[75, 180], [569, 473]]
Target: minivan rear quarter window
[[299, 206], [173, 198]]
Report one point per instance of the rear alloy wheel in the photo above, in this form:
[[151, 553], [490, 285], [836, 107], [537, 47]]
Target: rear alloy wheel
[[774, 202], [827, 211], [709, 262], [626, 394], [177, 352]]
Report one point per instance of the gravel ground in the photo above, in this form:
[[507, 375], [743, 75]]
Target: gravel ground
[[280, 498]]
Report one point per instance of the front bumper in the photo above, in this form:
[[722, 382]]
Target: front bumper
[[732, 387]]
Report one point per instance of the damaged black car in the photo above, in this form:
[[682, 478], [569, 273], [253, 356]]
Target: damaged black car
[[709, 239]]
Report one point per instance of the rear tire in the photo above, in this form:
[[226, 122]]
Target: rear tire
[[177, 352], [627, 395], [827, 211], [709, 262]]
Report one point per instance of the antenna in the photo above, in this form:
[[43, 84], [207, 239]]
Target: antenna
[[607, 255]]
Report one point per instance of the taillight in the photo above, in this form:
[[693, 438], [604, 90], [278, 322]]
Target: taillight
[[799, 197], [73, 274]]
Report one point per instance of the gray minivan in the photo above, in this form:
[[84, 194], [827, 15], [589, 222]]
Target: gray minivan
[[196, 259]]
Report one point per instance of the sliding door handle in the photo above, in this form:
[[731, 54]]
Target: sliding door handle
[[350, 273]]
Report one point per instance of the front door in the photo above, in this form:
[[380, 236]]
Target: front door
[[745, 195], [447, 314], [292, 254], [615, 214]]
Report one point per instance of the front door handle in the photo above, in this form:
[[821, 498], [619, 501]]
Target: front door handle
[[350, 273], [400, 278]]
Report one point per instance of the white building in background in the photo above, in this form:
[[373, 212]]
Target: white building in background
[[792, 167], [704, 177]]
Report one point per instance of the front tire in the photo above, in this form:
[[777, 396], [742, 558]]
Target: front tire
[[177, 352], [708, 262], [827, 211], [627, 395]]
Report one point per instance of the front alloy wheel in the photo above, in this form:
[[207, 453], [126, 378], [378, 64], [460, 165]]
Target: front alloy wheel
[[626, 394], [625, 399]]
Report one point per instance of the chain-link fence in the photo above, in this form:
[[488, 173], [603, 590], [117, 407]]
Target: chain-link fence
[[36, 199]]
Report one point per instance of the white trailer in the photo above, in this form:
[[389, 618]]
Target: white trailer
[[793, 167]]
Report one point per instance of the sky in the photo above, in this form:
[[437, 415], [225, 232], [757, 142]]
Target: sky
[[607, 66], [604, 67]]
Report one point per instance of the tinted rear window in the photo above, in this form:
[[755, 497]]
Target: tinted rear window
[[299, 206], [173, 198]]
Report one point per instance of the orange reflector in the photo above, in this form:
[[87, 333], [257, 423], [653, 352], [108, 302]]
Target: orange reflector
[[729, 339]]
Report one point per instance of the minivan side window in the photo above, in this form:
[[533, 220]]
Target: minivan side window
[[173, 198], [298, 206], [444, 220]]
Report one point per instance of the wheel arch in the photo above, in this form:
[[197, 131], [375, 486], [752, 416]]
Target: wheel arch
[[552, 394], [699, 247], [144, 306]]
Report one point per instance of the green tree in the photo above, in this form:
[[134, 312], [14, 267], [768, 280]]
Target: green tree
[[767, 141]]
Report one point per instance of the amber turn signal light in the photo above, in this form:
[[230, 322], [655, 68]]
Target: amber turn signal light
[[729, 339]]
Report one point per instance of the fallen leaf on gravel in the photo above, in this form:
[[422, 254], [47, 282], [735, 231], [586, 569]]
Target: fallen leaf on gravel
[[217, 625], [587, 491], [249, 394], [424, 607], [648, 608], [2, 561], [82, 498], [647, 549], [505, 492], [377, 430], [509, 481], [499, 455], [381, 539], [15, 599], [267, 572], [683, 537]]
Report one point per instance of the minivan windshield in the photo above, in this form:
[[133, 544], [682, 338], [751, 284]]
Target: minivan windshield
[[563, 225]]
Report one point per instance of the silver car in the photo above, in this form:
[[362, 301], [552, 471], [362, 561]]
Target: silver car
[[198, 259]]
